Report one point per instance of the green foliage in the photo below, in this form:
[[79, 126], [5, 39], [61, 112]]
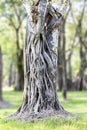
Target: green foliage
[[76, 104]]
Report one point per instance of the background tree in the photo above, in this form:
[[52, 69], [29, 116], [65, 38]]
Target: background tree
[[62, 74], [80, 35], [15, 17], [82, 52]]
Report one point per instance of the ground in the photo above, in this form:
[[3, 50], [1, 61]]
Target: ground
[[76, 103]]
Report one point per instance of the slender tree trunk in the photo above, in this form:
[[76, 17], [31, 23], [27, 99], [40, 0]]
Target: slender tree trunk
[[69, 72], [64, 88], [62, 60], [81, 41], [69, 68], [59, 62], [82, 67], [20, 84], [20, 70], [10, 75], [1, 99]]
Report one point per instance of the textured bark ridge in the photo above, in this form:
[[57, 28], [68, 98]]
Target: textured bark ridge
[[40, 97]]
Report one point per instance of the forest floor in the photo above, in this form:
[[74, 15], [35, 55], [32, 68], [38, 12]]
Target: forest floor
[[76, 103]]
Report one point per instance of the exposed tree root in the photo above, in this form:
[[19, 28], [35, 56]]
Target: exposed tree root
[[45, 114]]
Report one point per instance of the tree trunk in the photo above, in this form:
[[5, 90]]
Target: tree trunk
[[82, 67], [40, 89], [59, 62], [64, 88], [40, 97], [10, 74], [62, 60], [70, 86], [69, 70], [1, 99], [19, 85]]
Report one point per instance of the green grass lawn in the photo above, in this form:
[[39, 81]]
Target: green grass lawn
[[76, 104]]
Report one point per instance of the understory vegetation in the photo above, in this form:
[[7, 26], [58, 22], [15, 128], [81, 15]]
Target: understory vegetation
[[76, 104]]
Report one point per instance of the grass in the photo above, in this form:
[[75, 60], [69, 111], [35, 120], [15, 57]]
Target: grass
[[76, 103]]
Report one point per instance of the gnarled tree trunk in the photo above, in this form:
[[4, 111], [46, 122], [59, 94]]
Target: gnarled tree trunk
[[39, 61]]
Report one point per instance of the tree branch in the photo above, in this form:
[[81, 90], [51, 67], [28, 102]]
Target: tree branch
[[65, 7], [26, 5]]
